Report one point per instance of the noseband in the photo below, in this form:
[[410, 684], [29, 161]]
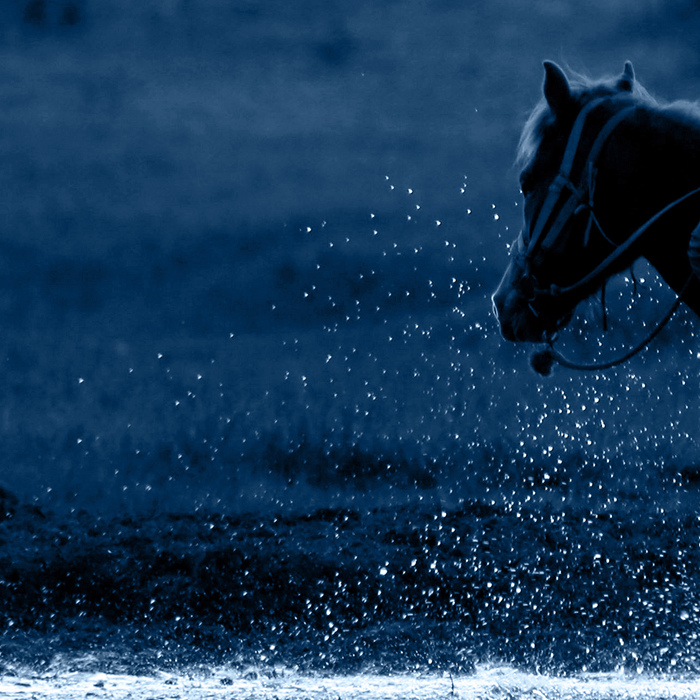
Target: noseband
[[566, 199]]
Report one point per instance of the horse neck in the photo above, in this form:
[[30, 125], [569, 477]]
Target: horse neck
[[664, 168]]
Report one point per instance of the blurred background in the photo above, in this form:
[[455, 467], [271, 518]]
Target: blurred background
[[247, 251]]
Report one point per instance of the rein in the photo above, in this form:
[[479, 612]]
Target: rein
[[603, 267], [580, 198], [543, 360]]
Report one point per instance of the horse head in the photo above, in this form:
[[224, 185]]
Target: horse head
[[561, 239]]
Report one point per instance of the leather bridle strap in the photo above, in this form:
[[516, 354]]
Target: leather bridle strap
[[563, 178]]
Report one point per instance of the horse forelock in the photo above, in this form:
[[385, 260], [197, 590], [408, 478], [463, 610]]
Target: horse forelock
[[531, 135]]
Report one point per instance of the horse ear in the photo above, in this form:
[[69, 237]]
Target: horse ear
[[556, 87], [626, 81]]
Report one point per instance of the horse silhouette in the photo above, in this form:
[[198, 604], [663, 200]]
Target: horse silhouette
[[609, 175]]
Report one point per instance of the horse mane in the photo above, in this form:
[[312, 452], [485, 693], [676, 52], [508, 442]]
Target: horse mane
[[584, 89]]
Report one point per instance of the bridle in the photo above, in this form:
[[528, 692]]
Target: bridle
[[545, 232], [566, 199]]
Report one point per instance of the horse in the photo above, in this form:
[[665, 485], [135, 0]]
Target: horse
[[608, 175]]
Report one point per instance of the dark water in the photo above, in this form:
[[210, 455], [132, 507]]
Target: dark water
[[248, 360]]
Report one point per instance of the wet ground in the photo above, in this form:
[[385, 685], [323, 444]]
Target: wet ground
[[412, 589]]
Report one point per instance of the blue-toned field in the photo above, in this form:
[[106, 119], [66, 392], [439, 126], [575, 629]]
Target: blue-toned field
[[255, 411]]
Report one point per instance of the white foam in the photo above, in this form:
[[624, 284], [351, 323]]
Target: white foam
[[486, 683]]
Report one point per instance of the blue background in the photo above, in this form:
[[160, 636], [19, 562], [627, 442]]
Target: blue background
[[247, 251]]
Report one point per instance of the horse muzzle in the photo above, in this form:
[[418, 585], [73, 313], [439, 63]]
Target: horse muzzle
[[519, 311]]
